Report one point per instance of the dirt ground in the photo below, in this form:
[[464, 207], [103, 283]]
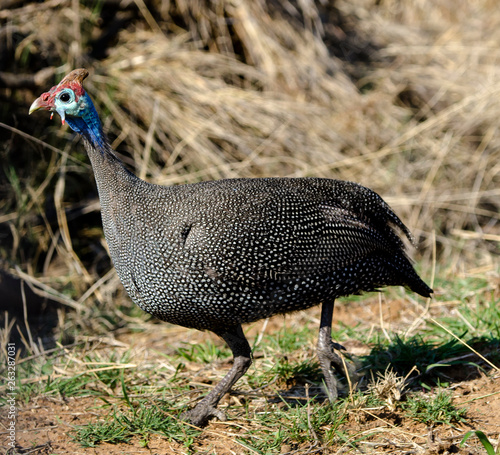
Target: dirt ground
[[44, 424]]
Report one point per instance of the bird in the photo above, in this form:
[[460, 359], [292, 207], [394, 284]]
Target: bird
[[214, 255]]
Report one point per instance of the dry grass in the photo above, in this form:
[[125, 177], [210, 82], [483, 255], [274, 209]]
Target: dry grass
[[400, 96]]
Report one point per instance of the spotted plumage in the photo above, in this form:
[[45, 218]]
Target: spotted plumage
[[215, 255]]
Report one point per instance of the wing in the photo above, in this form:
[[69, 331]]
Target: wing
[[300, 231]]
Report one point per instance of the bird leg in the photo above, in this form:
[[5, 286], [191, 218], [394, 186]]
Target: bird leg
[[326, 352], [207, 407]]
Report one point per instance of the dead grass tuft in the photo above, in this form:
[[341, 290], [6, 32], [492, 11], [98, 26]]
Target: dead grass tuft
[[379, 94]]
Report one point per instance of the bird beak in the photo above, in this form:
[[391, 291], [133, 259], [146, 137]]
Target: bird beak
[[40, 103], [46, 102]]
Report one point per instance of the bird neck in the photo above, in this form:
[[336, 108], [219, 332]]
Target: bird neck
[[112, 178], [89, 125], [118, 190]]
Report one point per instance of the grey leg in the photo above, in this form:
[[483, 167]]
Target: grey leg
[[207, 408], [326, 352]]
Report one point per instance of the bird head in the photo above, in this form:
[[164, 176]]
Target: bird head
[[68, 98], [74, 106]]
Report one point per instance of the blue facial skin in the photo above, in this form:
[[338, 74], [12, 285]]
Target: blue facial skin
[[80, 115]]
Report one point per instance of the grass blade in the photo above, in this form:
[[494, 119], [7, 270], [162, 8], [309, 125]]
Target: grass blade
[[483, 438]]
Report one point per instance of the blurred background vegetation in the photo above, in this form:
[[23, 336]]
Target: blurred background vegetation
[[398, 95]]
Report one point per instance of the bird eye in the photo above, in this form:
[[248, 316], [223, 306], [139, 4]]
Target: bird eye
[[65, 97]]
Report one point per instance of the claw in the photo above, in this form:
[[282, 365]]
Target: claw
[[202, 413], [338, 346]]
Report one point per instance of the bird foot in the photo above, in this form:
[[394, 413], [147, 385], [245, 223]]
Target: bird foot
[[202, 413], [344, 364]]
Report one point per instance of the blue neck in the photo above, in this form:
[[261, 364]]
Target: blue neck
[[88, 125]]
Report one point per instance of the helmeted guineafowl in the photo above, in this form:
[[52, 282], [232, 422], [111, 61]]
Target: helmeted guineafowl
[[215, 255]]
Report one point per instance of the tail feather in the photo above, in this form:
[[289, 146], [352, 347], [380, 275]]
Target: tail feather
[[416, 284]]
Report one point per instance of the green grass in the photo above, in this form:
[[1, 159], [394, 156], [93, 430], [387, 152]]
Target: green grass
[[287, 340], [139, 422], [488, 446], [85, 374], [296, 425], [430, 358], [290, 372], [434, 410], [204, 353]]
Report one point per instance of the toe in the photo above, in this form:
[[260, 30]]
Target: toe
[[202, 413]]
